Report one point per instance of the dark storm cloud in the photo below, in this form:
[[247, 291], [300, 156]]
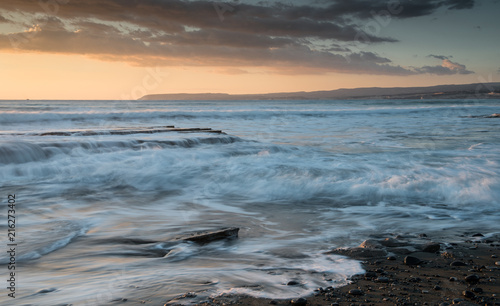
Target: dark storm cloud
[[175, 32]]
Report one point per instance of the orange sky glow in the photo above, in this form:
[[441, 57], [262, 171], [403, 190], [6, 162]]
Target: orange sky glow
[[65, 52]]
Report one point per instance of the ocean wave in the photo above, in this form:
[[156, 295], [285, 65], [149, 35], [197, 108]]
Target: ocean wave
[[24, 152]]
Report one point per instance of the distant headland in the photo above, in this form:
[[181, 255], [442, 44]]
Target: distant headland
[[466, 91]]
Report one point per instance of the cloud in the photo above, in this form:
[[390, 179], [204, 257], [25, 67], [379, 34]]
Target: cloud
[[447, 67], [441, 57], [460, 4], [317, 36]]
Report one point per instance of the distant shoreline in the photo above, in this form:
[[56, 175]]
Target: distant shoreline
[[467, 91]]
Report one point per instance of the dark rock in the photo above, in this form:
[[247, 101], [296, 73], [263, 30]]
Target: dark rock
[[472, 279], [422, 235], [273, 302], [457, 263], [494, 256], [411, 261], [293, 283], [437, 288], [453, 279], [370, 275], [415, 279], [478, 235], [299, 302], [43, 291], [431, 247], [209, 236], [401, 251], [390, 242], [468, 294], [360, 252], [383, 279], [391, 258], [477, 290], [355, 292], [370, 244], [444, 304]]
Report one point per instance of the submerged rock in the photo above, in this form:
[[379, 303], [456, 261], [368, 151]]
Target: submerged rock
[[360, 252], [209, 236]]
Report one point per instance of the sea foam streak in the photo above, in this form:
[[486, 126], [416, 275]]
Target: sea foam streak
[[105, 188]]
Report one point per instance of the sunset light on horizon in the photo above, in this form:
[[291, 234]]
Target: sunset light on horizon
[[118, 50]]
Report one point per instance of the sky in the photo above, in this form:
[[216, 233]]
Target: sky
[[124, 49]]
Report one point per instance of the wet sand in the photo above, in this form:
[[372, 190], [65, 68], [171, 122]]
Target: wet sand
[[463, 271]]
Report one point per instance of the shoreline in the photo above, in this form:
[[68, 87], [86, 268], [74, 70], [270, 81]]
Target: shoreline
[[465, 271]]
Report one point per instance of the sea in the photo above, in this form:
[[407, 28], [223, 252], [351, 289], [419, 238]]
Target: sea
[[105, 190]]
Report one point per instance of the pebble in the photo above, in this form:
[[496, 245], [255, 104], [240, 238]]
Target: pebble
[[478, 235], [497, 263], [355, 292], [273, 302], [382, 279], [411, 261], [431, 248], [494, 256], [370, 275], [293, 283], [468, 294], [456, 301], [477, 290], [437, 287], [472, 279], [458, 264], [299, 302], [453, 279], [391, 258]]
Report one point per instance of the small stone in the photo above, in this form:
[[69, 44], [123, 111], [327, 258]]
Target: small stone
[[472, 279], [444, 304], [415, 279], [299, 302], [456, 301], [411, 261], [497, 263], [273, 302], [355, 292], [478, 235], [437, 288], [370, 275], [457, 263], [422, 235], [391, 258], [494, 256], [293, 283], [453, 279], [382, 279], [477, 290], [468, 294], [431, 247]]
